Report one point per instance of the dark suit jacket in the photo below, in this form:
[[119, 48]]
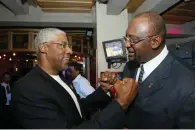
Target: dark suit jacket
[[130, 69], [166, 98], [38, 101]]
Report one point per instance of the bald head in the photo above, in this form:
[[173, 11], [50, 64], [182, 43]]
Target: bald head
[[153, 22], [146, 36]]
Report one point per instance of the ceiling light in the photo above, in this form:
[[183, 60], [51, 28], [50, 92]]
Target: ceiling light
[[14, 54]]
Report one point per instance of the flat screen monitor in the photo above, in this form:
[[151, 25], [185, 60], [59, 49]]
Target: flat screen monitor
[[115, 50]]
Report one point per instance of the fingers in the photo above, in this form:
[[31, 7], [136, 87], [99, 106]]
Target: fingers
[[105, 84], [131, 85], [118, 82], [130, 81], [136, 84], [108, 77], [126, 79]]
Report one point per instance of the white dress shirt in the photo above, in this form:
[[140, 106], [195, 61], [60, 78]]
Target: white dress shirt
[[82, 86], [64, 85], [152, 64], [8, 95]]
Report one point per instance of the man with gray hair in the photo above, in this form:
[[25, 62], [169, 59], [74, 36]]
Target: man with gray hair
[[41, 99]]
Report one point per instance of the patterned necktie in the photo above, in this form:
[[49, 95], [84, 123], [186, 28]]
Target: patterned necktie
[[141, 74]]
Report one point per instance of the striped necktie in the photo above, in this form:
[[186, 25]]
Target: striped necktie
[[141, 74]]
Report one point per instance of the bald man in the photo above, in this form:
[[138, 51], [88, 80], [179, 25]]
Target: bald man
[[166, 87]]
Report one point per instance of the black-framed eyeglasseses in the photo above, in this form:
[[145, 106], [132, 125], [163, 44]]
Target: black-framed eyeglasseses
[[63, 44], [136, 40]]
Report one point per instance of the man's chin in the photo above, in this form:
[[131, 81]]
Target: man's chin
[[64, 67], [131, 58]]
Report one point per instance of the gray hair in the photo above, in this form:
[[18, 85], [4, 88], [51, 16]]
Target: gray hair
[[44, 36]]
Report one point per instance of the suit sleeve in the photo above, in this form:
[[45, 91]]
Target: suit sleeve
[[186, 119], [36, 111], [125, 71], [95, 101], [129, 72], [109, 118]]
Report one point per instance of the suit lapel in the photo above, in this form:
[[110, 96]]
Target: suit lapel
[[77, 96], [69, 85], [154, 81], [135, 73], [72, 88], [63, 95]]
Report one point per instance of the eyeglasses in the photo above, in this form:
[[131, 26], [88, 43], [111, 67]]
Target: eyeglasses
[[63, 44], [136, 39]]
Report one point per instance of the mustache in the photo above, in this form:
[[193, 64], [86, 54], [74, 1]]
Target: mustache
[[131, 48]]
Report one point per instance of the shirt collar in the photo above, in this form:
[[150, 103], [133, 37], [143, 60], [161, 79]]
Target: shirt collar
[[153, 63], [4, 84], [77, 78]]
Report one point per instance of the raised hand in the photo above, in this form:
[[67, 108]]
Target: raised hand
[[126, 90], [106, 80]]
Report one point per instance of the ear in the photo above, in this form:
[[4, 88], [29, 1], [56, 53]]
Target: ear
[[156, 42], [43, 48]]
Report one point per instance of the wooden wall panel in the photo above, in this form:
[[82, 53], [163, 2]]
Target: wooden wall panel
[[67, 10], [180, 13], [67, 6], [133, 5]]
